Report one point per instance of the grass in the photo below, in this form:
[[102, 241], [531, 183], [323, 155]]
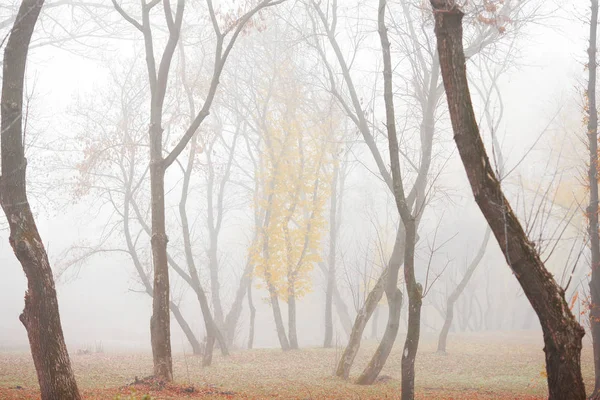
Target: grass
[[482, 366]]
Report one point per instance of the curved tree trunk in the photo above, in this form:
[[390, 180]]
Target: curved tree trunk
[[365, 313], [371, 372], [40, 316], [363, 316], [562, 333], [441, 348]]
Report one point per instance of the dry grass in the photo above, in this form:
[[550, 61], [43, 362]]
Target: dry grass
[[483, 366]]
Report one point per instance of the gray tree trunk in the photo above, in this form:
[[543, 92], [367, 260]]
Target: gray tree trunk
[[40, 316]]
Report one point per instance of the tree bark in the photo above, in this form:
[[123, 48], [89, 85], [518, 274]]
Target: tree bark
[[458, 291], [593, 205], [160, 327], [40, 316], [562, 333]]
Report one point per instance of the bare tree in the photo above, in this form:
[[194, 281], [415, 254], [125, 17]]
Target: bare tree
[[158, 75], [41, 316], [562, 333], [441, 348]]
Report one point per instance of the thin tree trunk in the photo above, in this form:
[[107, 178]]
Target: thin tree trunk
[[562, 333], [185, 327], [252, 316], [458, 291], [365, 313], [593, 206], [415, 291], [40, 316], [331, 273], [233, 316], [292, 333], [363, 316], [340, 305], [370, 373], [212, 330]]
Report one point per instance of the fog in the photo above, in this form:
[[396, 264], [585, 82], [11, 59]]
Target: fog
[[88, 100]]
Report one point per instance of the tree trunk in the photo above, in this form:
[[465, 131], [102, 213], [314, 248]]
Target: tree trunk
[[252, 316], [40, 316], [363, 316], [283, 340], [374, 324], [233, 316], [292, 333], [562, 333], [160, 327], [340, 305], [185, 327], [458, 291], [371, 372], [414, 289], [215, 286], [327, 343], [593, 206], [212, 330]]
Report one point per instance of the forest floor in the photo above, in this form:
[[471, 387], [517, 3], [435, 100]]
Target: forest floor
[[477, 366]]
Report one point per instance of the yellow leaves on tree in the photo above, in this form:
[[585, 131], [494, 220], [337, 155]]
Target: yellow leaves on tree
[[296, 166]]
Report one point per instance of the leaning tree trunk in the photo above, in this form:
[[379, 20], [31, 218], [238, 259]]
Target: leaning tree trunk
[[233, 316], [365, 313], [371, 372], [40, 316], [363, 316], [562, 333], [593, 206], [458, 291]]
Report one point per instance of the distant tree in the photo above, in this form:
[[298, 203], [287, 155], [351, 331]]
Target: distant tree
[[562, 333], [297, 158], [41, 316]]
